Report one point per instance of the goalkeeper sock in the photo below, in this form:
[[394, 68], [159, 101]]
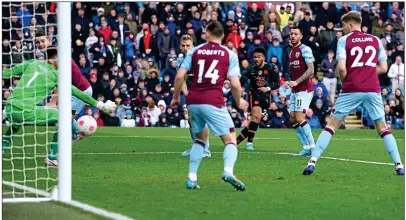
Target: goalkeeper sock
[[195, 157], [391, 146], [53, 150], [242, 136], [230, 157], [252, 129], [307, 132], [322, 143], [300, 136]]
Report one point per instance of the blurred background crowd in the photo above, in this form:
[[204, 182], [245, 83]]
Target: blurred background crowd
[[129, 52]]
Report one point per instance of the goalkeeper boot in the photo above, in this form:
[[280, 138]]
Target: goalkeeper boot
[[51, 163], [250, 146], [304, 152], [192, 184], [400, 170], [236, 183], [186, 153], [309, 169], [5, 145], [206, 153]]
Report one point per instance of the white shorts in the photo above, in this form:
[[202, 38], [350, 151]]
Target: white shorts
[[300, 101], [217, 119], [77, 104]]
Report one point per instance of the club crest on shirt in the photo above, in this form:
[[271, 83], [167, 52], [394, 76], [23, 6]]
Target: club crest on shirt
[[297, 54], [266, 72], [260, 72]]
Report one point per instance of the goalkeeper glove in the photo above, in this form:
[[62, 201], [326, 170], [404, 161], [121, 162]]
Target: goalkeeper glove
[[107, 107]]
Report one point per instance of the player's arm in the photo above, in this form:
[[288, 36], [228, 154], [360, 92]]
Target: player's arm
[[107, 107], [234, 77], [382, 66], [341, 58], [16, 70], [180, 78]]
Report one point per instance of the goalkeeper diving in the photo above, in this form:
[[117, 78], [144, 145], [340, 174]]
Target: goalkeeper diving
[[38, 80]]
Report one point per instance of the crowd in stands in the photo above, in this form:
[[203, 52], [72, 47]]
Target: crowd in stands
[[129, 52]]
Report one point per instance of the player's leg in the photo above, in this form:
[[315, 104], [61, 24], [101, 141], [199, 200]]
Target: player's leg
[[206, 152], [373, 104], [198, 126], [244, 132], [219, 121], [303, 100], [77, 106], [14, 115], [256, 114], [346, 102], [298, 129], [186, 153]]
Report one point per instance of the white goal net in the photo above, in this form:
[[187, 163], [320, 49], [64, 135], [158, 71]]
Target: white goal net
[[26, 143]]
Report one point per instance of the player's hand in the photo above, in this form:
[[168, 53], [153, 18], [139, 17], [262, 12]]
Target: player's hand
[[292, 84], [242, 104], [107, 107], [263, 89], [51, 105], [175, 102], [286, 83]]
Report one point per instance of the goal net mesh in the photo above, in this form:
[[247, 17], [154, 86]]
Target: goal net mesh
[[24, 172]]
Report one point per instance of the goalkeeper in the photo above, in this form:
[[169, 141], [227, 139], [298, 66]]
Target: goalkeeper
[[38, 80]]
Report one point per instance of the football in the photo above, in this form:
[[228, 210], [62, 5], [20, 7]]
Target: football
[[87, 125]]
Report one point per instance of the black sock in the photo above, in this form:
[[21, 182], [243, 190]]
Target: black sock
[[242, 135], [252, 129]]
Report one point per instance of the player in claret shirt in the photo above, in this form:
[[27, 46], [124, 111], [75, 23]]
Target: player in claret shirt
[[361, 57], [211, 64], [301, 71], [263, 78]]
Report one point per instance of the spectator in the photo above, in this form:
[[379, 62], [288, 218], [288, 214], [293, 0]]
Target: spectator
[[320, 111], [286, 32], [164, 47], [313, 41], [184, 122], [274, 50], [305, 25], [385, 95], [317, 84], [312, 119], [397, 74], [242, 29], [111, 120], [400, 34], [132, 24], [365, 15], [234, 37], [326, 37], [84, 67], [276, 34], [242, 52], [399, 51], [128, 122], [162, 121], [255, 15], [129, 47], [389, 116], [389, 36], [278, 120], [378, 29], [284, 17], [148, 45], [265, 122], [395, 21], [144, 119], [319, 96], [236, 119], [257, 43], [105, 31], [154, 112], [328, 66], [334, 43]]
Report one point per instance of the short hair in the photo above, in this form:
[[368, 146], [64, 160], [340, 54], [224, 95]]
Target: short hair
[[352, 16], [39, 32], [260, 50], [297, 27], [215, 28], [50, 52], [186, 37]]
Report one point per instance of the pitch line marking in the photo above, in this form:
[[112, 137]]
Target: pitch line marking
[[257, 138], [276, 153]]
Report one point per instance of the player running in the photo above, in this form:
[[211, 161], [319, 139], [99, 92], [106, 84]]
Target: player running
[[263, 78], [361, 57], [301, 71], [212, 63], [38, 80], [186, 43], [78, 80]]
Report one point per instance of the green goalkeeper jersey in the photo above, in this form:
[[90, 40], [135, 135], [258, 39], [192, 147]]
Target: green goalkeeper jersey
[[38, 80]]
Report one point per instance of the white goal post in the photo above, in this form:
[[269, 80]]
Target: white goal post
[[63, 191]]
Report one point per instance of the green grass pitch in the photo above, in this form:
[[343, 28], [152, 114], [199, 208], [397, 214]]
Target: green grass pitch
[[140, 173]]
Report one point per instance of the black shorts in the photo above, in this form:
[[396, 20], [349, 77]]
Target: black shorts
[[260, 100]]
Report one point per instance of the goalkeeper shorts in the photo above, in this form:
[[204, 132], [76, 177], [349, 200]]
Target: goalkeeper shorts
[[39, 115]]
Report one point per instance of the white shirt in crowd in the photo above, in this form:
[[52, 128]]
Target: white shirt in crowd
[[128, 123], [184, 123], [394, 70], [154, 115]]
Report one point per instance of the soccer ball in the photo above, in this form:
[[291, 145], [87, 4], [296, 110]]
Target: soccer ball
[[87, 125]]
